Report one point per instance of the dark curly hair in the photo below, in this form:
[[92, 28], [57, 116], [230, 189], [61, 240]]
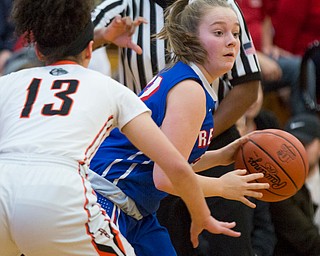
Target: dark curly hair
[[52, 24]]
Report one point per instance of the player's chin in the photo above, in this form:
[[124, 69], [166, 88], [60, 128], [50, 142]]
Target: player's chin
[[227, 66]]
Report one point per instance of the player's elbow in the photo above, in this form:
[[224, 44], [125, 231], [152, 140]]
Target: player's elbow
[[162, 185], [161, 181]]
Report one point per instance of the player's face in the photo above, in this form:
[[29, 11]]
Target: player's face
[[219, 35]]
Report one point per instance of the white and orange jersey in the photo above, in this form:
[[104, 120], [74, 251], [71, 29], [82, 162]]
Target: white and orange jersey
[[62, 110]]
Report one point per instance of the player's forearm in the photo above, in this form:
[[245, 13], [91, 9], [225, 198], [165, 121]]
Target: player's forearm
[[188, 187], [210, 186], [208, 160], [179, 173]]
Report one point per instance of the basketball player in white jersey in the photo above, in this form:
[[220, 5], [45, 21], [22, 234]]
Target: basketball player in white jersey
[[52, 120]]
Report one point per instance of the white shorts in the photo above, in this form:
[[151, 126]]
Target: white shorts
[[47, 207]]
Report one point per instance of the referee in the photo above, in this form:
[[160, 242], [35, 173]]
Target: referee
[[238, 89], [135, 71]]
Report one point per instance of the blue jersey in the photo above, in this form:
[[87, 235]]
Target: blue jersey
[[128, 168]]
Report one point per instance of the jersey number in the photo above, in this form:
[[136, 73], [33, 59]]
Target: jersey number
[[48, 109]]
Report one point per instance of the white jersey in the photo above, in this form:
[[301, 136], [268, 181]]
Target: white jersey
[[62, 110]]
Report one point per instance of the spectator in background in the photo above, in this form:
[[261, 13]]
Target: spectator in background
[[7, 39], [14, 55], [313, 184], [280, 71], [21, 59], [296, 25], [293, 218], [256, 14], [263, 238]]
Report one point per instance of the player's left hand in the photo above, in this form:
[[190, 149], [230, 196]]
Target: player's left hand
[[213, 226]]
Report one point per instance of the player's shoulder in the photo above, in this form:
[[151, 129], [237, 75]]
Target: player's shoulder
[[178, 69], [107, 81], [19, 73], [13, 80]]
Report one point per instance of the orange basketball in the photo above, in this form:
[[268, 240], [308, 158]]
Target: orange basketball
[[282, 159]]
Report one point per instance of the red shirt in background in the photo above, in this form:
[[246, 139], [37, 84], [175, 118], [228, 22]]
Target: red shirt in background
[[254, 12], [297, 24]]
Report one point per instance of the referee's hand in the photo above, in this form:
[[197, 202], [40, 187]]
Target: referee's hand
[[120, 31]]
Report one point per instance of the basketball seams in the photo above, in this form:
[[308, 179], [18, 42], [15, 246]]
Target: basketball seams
[[246, 167], [276, 162], [297, 149]]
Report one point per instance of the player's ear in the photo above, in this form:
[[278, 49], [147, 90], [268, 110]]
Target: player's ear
[[88, 50], [39, 55]]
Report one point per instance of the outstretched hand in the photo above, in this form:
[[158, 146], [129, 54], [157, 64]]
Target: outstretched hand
[[213, 226], [237, 185], [120, 31]]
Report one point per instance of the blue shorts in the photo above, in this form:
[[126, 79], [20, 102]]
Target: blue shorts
[[147, 236]]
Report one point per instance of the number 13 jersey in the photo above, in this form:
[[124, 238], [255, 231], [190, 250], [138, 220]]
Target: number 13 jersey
[[62, 109]]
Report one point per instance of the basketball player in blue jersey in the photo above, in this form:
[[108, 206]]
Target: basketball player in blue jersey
[[204, 38]]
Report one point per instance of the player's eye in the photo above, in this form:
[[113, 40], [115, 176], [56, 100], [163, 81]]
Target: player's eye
[[236, 35], [218, 33]]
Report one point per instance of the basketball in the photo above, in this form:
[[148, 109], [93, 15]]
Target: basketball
[[282, 159]]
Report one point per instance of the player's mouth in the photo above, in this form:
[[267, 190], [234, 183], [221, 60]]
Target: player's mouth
[[230, 54]]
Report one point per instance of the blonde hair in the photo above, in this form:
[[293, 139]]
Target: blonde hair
[[181, 29]]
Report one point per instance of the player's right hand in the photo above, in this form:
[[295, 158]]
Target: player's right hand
[[213, 226]]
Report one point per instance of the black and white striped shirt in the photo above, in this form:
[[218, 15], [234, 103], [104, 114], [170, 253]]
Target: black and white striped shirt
[[135, 71]]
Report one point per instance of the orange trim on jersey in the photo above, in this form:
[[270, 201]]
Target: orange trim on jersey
[[116, 234], [87, 211], [101, 253], [64, 62], [104, 130], [117, 238]]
